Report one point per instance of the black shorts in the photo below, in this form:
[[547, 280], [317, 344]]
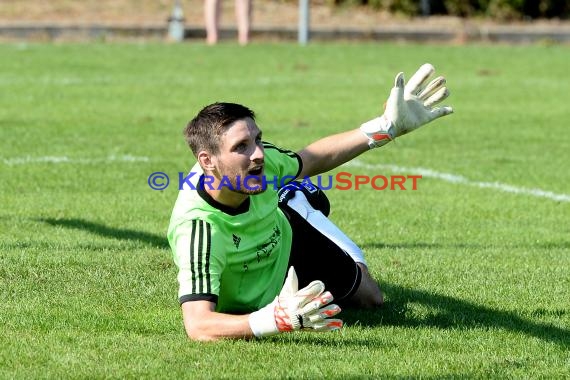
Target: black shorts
[[315, 257]]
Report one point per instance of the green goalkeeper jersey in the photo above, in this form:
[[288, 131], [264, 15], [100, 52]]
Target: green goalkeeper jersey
[[236, 258]]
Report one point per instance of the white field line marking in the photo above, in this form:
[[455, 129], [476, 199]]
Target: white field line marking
[[67, 160], [453, 178]]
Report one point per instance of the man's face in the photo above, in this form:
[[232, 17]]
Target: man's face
[[241, 157]]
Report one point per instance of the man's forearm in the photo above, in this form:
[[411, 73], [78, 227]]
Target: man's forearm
[[332, 151], [408, 108], [214, 326], [309, 308]]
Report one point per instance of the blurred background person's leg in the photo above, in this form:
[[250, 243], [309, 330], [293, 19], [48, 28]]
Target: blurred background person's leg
[[212, 11], [243, 18]]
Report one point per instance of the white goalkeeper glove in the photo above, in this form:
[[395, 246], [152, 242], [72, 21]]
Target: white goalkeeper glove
[[295, 309], [408, 108]]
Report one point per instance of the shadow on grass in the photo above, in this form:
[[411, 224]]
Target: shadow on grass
[[105, 231], [450, 313]]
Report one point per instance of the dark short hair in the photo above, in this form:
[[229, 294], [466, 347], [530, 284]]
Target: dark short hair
[[203, 132]]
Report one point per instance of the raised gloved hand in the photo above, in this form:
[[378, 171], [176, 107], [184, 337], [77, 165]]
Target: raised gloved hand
[[295, 309], [408, 107]]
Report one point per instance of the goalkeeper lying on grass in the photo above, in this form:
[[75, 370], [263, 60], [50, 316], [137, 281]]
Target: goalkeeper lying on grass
[[243, 249]]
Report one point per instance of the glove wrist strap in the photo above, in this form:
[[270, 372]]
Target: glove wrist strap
[[380, 131], [262, 322]]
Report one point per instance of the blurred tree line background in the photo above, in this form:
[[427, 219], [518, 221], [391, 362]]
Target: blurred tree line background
[[496, 9]]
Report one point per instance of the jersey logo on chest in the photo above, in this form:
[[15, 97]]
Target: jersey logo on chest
[[264, 249], [236, 240]]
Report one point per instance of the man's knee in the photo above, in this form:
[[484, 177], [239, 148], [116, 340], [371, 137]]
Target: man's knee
[[368, 295]]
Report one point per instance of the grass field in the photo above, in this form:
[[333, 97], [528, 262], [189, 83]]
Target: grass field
[[475, 264]]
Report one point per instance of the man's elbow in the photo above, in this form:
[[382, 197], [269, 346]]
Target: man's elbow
[[198, 334]]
